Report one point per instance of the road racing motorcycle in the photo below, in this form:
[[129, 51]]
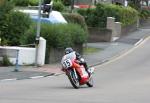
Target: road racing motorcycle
[[76, 73]]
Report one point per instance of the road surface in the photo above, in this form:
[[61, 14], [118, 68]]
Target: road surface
[[123, 80]]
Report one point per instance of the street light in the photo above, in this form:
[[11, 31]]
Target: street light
[[38, 32]]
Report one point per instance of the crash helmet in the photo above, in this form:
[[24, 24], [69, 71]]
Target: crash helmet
[[68, 50]]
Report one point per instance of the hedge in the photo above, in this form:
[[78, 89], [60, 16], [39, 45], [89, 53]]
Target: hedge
[[25, 2], [12, 24], [59, 35], [58, 6], [97, 17], [144, 14], [76, 19], [17, 25]]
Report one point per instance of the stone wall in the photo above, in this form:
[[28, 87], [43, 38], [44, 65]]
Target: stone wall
[[54, 55], [125, 30], [145, 23], [99, 34], [113, 31]]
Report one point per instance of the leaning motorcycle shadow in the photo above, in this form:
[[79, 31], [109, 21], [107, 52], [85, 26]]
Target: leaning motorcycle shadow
[[69, 87]]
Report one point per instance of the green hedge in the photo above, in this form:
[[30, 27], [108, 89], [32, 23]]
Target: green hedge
[[59, 35], [25, 2], [97, 17], [17, 25], [76, 19], [58, 6], [20, 2], [33, 2], [12, 24], [144, 14]]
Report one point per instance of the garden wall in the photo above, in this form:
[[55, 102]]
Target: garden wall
[[99, 34], [26, 54], [145, 22], [55, 54], [128, 29]]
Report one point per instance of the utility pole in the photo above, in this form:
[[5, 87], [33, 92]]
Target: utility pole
[[38, 32]]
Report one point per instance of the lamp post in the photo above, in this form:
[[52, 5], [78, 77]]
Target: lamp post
[[38, 32]]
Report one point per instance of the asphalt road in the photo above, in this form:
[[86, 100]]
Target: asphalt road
[[123, 80]]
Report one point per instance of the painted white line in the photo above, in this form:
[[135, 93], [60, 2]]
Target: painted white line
[[4, 80], [138, 42], [36, 77], [57, 74]]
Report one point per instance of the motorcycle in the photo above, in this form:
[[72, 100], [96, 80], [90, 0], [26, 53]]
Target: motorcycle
[[76, 73]]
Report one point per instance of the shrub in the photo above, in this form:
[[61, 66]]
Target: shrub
[[58, 6], [17, 24], [76, 19], [6, 61], [33, 2], [144, 14], [66, 2], [97, 17], [21, 2], [25, 2], [59, 35]]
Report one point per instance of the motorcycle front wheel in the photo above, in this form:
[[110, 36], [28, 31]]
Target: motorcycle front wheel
[[90, 83], [73, 79]]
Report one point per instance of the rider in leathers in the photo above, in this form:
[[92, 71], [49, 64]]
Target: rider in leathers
[[78, 58]]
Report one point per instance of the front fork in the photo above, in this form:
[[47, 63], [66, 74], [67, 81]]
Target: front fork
[[68, 72]]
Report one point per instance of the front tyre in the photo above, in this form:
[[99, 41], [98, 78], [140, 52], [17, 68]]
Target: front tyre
[[73, 79], [90, 83]]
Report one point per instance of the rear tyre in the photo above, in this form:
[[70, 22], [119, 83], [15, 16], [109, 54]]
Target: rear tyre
[[90, 83]]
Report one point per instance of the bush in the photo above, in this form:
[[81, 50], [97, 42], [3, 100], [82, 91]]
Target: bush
[[97, 17], [25, 2], [76, 19], [21, 2], [6, 61], [66, 2], [59, 35], [58, 6], [33, 2], [17, 24], [144, 14]]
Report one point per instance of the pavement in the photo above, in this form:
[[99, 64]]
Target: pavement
[[108, 50]]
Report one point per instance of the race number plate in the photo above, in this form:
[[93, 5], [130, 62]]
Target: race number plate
[[67, 63]]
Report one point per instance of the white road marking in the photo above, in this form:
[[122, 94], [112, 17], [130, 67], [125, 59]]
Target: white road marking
[[4, 80]]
